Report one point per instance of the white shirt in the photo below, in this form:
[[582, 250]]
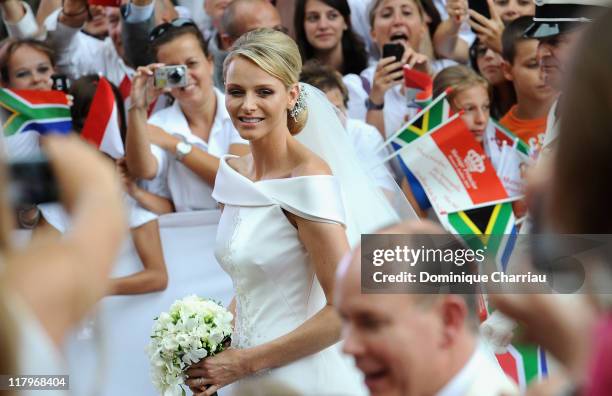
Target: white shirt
[[480, 376], [26, 27], [79, 54], [55, 214], [188, 191], [366, 140], [552, 125]]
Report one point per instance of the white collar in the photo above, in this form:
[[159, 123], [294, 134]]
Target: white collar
[[460, 383], [181, 126]]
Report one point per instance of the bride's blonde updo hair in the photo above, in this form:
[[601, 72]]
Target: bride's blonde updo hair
[[278, 55]]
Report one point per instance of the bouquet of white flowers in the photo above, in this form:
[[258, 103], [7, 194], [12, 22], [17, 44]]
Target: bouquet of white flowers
[[193, 329]]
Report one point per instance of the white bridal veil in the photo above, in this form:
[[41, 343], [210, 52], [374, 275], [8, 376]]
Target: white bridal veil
[[368, 206]]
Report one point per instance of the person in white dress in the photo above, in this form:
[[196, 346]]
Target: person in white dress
[[284, 227]]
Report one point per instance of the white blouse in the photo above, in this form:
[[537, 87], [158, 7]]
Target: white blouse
[[187, 190]]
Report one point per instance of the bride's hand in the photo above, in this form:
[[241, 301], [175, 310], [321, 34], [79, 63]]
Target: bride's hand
[[217, 371]]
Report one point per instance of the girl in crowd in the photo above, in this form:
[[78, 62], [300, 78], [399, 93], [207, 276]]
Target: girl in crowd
[[489, 64], [182, 143], [509, 10], [283, 225], [323, 31], [142, 205], [470, 94], [27, 64]]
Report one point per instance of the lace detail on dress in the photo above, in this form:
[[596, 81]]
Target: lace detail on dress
[[242, 327]]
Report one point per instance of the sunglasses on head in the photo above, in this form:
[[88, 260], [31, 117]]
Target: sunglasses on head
[[162, 29]]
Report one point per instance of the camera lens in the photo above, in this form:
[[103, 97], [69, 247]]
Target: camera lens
[[175, 75]]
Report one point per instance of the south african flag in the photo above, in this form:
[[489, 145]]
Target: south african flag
[[434, 114], [491, 226], [39, 111]]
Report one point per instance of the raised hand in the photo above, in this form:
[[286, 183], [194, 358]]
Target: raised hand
[[457, 11], [143, 92], [389, 72], [489, 31]]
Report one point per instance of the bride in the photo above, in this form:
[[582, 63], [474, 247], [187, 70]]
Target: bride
[[288, 208]]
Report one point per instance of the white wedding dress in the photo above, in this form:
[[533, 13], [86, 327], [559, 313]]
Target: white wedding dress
[[275, 286]]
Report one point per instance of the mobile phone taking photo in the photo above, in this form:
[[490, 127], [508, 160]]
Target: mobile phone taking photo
[[396, 50], [481, 7], [31, 182], [60, 82]]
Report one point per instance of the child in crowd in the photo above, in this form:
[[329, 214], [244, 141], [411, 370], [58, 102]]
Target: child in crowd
[[470, 94], [366, 138], [527, 118]]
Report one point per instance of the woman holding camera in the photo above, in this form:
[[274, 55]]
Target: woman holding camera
[[182, 143]]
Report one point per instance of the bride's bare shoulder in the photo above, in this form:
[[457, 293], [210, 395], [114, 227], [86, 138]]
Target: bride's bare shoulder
[[311, 164], [241, 164]]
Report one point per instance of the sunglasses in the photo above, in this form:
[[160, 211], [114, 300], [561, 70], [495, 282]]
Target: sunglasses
[[162, 29]]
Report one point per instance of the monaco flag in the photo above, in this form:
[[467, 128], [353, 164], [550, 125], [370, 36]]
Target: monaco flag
[[102, 124]]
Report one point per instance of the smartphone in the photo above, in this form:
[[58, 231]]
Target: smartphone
[[174, 76], [480, 6], [393, 49], [396, 50], [31, 182], [60, 82], [105, 3]]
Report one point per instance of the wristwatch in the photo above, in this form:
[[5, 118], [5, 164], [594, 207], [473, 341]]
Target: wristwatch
[[182, 149], [373, 106]]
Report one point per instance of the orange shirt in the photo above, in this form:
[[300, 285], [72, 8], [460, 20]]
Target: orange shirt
[[530, 131]]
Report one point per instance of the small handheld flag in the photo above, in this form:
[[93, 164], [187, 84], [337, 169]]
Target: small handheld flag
[[101, 126], [38, 111]]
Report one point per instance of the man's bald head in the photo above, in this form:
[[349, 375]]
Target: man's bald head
[[242, 16]]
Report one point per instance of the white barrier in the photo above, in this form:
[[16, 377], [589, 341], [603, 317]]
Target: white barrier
[[106, 356]]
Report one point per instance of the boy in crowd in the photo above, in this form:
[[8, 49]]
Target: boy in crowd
[[527, 118]]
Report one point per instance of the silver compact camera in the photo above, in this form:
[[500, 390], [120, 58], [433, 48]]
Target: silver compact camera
[[174, 76]]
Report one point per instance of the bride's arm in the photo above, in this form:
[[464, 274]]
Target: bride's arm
[[326, 243]]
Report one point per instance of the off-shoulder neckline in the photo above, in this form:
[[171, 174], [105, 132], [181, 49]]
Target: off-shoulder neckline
[[281, 179]]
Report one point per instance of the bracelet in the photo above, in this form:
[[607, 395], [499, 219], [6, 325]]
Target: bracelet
[[373, 106], [28, 223], [84, 10]]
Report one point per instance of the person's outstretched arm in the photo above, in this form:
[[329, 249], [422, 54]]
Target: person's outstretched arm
[[62, 280], [154, 276]]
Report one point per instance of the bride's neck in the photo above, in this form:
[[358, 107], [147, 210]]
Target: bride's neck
[[271, 155]]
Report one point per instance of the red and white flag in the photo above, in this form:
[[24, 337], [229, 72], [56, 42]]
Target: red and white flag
[[101, 126], [453, 168]]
